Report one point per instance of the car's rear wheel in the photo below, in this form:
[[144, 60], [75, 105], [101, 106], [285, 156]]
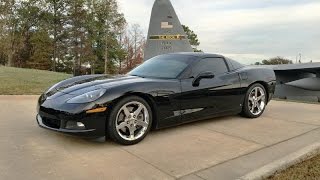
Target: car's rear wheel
[[130, 121], [255, 101]]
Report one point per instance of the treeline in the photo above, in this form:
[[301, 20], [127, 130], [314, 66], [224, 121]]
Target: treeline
[[275, 61], [72, 36]]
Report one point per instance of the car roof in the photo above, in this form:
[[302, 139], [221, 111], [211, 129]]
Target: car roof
[[197, 54]]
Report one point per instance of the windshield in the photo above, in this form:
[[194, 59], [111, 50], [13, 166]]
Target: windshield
[[164, 66]]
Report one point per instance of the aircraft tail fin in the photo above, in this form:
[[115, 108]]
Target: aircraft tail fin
[[165, 34]]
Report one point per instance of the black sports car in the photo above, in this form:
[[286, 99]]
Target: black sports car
[[164, 91]]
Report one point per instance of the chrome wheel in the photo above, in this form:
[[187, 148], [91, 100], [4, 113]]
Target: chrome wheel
[[257, 100], [132, 121]]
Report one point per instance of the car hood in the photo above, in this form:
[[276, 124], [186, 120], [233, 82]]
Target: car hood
[[96, 82]]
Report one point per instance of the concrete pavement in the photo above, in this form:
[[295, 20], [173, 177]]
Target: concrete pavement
[[222, 148]]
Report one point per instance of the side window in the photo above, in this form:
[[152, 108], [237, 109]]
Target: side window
[[215, 65], [235, 64]]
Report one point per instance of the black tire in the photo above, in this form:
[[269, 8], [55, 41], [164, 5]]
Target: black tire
[[246, 108], [111, 124]]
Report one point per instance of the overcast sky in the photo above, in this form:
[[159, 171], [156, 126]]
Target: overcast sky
[[246, 30]]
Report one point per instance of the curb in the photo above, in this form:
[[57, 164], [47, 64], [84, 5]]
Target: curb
[[284, 163]]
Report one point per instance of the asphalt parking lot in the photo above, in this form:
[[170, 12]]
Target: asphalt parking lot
[[222, 148]]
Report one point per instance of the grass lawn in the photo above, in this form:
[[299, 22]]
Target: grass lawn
[[17, 81], [308, 170]]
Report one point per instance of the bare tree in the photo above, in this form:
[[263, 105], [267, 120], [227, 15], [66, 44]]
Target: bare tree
[[133, 43], [137, 36]]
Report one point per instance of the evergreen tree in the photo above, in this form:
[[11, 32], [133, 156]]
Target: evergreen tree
[[62, 35], [193, 38]]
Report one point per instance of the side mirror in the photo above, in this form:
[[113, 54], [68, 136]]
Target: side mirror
[[204, 75]]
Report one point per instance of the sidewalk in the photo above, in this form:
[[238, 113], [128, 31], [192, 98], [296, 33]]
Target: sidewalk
[[222, 148]]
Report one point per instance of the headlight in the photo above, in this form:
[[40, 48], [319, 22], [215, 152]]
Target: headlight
[[87, 97]]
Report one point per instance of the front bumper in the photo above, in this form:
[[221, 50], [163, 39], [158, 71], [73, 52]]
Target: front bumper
[[94, 124]]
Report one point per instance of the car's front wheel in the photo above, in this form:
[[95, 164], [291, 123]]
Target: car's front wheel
[[130, 121], [255, 101]]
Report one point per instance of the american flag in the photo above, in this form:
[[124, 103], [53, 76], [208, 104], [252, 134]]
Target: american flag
[[166, 25]]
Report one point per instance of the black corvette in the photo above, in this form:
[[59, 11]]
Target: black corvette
[[164, 91]]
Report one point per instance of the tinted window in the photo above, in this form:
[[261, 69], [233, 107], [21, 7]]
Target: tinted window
[[164, 66], [215, 65]]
